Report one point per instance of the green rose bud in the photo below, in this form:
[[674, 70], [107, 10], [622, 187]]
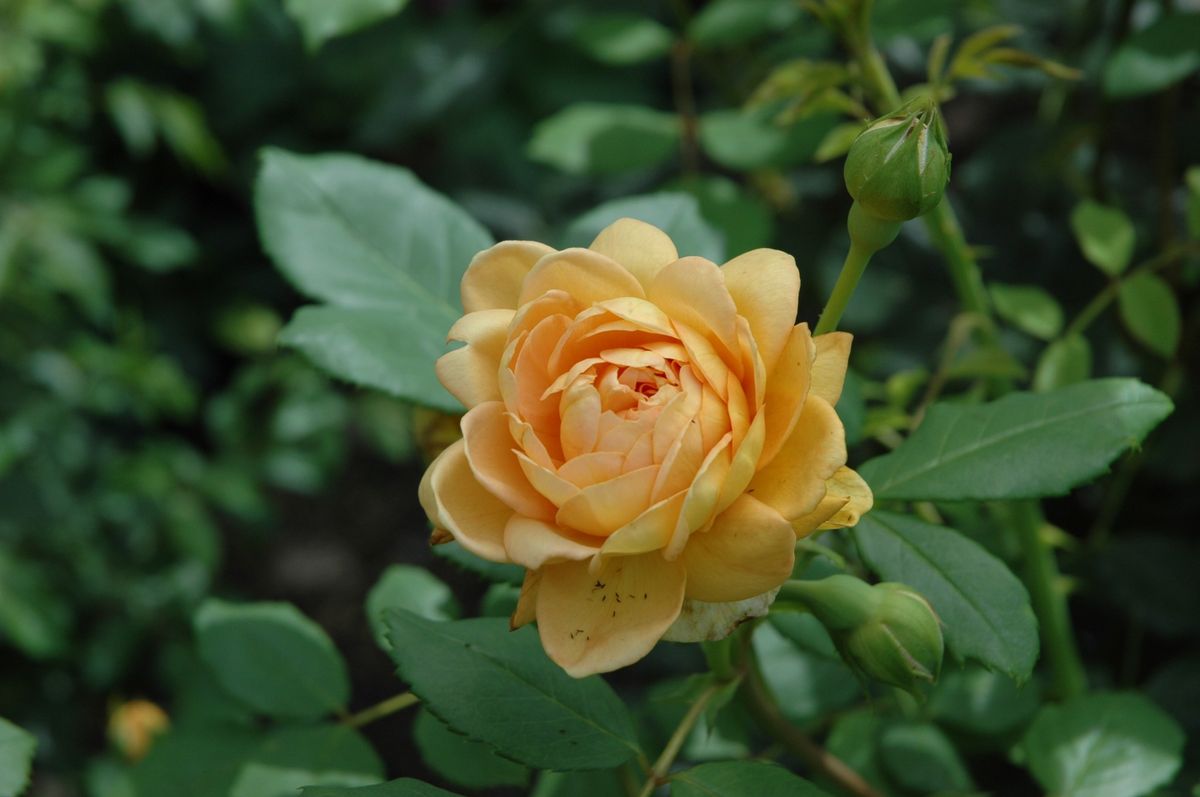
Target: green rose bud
[[897, 168], [887, 631]]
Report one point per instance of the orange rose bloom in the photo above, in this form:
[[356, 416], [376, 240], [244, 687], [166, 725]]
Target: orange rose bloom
[[647, 435]]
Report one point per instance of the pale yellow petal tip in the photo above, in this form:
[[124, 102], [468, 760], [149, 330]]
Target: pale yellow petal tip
[[700, 621]]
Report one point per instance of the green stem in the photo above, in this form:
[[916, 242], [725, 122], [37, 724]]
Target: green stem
[[663, 765], [852, 271], [381, 710], [1049, 600]]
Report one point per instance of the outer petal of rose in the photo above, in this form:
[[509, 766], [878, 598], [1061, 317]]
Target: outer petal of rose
[[601, 509], [859, 499], [692, 291], [455, 501], [532, 543], [641, 248], [583, 626], [787, 388], [765, 286], [748, 551], [470, 372], [829, 507], [526, 610], [493, 280], [588, 277], [794, 482], [489, 448], [829, 368]]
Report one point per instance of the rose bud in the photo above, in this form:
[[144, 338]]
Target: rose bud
[[887, 631], [897, 169]]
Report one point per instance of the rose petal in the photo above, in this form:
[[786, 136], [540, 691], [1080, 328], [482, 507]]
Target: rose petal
[[526, 609], [489, 449], [859, 499], [455, 501], [556, 489], [649, 531], [787, 388], [765, 287], [580, 425], [470, 373], [829, 367], [794, 482], [601, 509], [583, 626], [692, 291], [641, 248], [748, 551], [593, 468], [702, 496], [745, 461], [532, 543], [700, 621], [588, 277], [493, 279]]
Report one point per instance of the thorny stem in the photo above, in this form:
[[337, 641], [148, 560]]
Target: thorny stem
[[663, 765], [381, 710]]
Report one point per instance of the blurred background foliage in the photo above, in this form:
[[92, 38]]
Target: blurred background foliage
[[157, 448]]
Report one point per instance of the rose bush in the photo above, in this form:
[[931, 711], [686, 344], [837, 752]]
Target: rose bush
[[646, 434]]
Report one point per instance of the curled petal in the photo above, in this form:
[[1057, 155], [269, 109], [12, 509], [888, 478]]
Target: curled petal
[[765, 287], [493, 280], [489, 449], [829, 367], [641, 248], [597, 622], [647, 532], [794, 482], [470, 373], [748, 551], [847, 484], [787, 388], [526, 610], [455, 501], [601, 509], [533, 544], [702, 496]]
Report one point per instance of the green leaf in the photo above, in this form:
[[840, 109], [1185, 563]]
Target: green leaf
[[358, 344], [1105, 236], [1064, 362], [194, 763], [742, 218], [490, 571], [387, 250], [741, 779], [746, 140], [601, 783], [16, 758], [676, 214], [412, 588], [497, 686], [1103, 745], [726, 23], [855, 738], [1028, 308], [322, 20], [290, 758], [33, 615], [815, 684], [1025, 445], [272, 658], [1150, 312], [445, 752], [404, 787], [919, 757], [622, 38], [597, 139], [982, 702], [983, 607], [837, 141], [1154, 58], [349, 231]]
